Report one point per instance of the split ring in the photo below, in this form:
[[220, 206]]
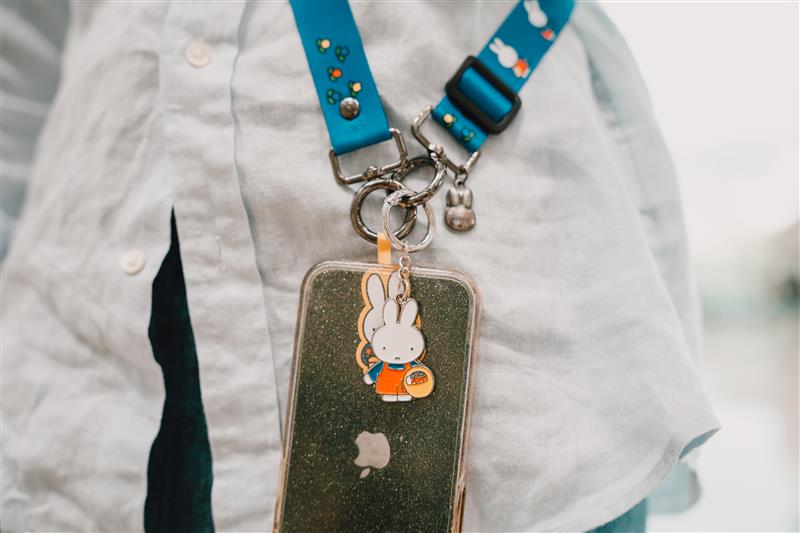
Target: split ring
[[358, 202], [393, 200]]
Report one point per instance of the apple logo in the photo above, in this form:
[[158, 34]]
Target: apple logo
[[373, 451]]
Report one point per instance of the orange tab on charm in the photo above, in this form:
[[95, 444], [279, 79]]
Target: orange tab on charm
[[384, 250]]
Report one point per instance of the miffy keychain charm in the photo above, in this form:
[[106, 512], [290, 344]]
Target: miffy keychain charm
[[392, 344]]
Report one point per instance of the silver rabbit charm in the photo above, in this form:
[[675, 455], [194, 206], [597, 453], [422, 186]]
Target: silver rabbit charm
[[459, 215]]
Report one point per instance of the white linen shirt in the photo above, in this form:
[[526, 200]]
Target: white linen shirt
[[586, 389]]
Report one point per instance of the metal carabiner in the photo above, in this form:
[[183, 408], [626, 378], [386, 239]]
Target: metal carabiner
[[430, 190], [438, 149], [372, 172]]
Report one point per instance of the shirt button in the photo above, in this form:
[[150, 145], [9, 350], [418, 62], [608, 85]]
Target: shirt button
[[197, 54], [132, 261]]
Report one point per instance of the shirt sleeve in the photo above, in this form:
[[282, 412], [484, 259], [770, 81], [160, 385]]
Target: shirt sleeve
[[31, 41]]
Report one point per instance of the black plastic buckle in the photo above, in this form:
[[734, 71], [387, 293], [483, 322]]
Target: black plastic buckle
[[469, 107]]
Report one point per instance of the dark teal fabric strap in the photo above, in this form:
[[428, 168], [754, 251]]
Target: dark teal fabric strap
[[480, 99], [507, 61], [340, 70]]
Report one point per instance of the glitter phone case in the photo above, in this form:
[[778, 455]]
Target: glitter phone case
[[353, 461]]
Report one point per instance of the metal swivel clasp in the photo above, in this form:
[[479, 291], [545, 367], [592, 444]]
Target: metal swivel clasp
[[459, 215]]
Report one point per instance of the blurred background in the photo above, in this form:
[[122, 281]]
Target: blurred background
[[723, 77]]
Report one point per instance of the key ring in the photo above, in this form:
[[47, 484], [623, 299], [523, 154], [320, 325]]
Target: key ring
[[358, 201], [423, 196], [393, 200]]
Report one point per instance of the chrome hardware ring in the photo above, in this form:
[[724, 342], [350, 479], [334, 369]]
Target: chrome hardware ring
[[372, 172], [393, 200], [358, 202], [433, 186], [438, 149]]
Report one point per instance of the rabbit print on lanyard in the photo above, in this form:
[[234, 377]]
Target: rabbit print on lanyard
[[391, 342]]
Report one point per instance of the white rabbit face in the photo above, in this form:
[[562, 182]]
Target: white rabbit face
[[398, 342]]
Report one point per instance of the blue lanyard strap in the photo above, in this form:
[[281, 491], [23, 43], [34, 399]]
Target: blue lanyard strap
[[347, 93], [481, 98]]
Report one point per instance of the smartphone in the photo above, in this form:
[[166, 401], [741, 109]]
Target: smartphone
[[354, 457]]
